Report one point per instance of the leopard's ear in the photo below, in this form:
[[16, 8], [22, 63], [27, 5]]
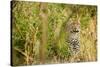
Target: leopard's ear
[[69, 22]]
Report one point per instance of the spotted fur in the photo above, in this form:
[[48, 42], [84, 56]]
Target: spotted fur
[[73, 30]]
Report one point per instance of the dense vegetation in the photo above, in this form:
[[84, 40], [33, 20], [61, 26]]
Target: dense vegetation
[[38, 32]]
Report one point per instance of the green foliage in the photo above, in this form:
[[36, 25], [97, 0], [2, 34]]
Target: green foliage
[[85, 22], [26, 29]]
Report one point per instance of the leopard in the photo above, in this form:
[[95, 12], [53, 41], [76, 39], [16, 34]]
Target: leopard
[[73, 38]]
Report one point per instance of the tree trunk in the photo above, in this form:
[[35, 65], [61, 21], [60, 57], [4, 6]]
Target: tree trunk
[[44, 24]]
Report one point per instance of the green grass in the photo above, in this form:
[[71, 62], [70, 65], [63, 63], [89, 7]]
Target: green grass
[[27, 32]]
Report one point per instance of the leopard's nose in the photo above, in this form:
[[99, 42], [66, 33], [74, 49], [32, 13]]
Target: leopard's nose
[[75, 30]]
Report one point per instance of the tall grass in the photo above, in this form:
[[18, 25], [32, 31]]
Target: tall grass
[[28, 28], [89, 42]]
